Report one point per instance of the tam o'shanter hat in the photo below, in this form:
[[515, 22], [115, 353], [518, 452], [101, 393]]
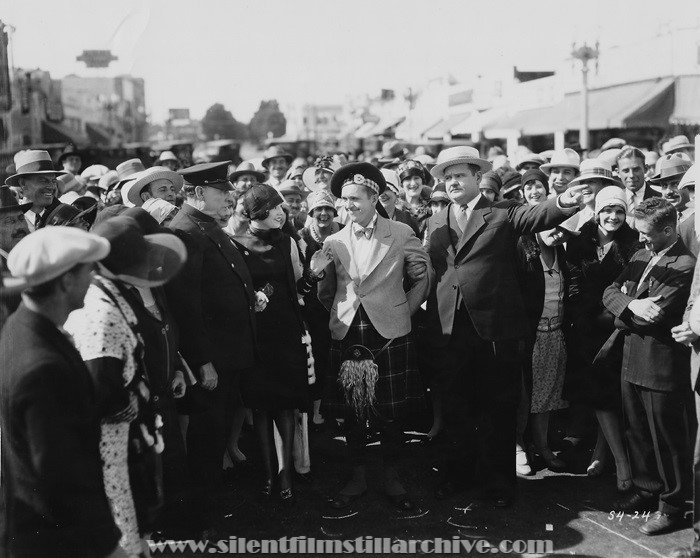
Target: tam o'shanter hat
[[214, 175], [596, 169], [460, 154], [566, 157], [32, 161], [9, 203], [246, 167], [362, 174], [274, 152]]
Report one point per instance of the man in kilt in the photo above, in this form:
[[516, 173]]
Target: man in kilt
[[373, 372]]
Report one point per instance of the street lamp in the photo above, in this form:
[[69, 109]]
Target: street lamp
[[584, 54]]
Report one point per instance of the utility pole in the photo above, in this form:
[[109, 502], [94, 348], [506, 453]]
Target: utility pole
[[585, 54]]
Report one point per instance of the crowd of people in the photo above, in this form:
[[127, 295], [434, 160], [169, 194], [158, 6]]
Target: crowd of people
[[147, 313]]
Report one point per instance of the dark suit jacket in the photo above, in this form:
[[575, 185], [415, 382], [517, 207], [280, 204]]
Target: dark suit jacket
[[405, 217], [652, 359], [482, 264], [52, 472], [212, 298], [41, 223]]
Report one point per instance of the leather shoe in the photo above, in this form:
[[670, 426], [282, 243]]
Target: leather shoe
[[402, 502], [448, 489], [341, 501], [685, 552], [661, 523], [637, 501]]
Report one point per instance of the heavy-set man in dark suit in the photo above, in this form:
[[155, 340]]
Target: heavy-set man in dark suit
[[476, 318], [648, 300], [214, 306], [53, 488]]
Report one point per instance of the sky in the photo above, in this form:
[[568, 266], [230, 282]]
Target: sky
[[196, 53]]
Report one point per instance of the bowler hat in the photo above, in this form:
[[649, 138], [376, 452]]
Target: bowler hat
[[362, 174], [30, 162], [460, 154]]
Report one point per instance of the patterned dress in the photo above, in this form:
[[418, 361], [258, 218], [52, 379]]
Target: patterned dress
[[99, 330]]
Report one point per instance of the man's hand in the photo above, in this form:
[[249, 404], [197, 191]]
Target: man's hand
[[573, 197], [178, 385], [647, 309], [416, 270], [683, 334], [208, 376]]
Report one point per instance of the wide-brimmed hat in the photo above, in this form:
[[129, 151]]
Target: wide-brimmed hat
[[610, 196], [325, 163], [362, 174], [108, 180], [677, 143], [392, 150], [439, 193], [671, 167], [127, 169], [94, 172], [8, 202], [49, 253], [460, 154], [246, 167], [214, 175], [69, 151], [131, 192], [274, 152], [596, 169], [288, 187], [530, 158], [142, 260], [566, 157], [392, 180], [32, 161], [320, 198], [609, 156], [690, 177]]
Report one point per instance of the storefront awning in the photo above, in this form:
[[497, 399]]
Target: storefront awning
[[533, 122], [361, 132], [445, 126], [51, 132], [384, 126], [686, 108], [477, 122]]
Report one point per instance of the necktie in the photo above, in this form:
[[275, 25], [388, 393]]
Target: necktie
[[463, 217]]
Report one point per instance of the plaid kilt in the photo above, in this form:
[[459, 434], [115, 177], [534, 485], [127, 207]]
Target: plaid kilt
[[399, 390]]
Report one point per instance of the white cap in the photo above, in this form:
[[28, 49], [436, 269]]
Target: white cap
[[50, 252], [610, 195]]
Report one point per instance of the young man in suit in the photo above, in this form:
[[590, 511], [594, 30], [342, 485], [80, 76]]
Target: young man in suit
[[648, 300], [476, 316], [363, 289], [54, 494], [214, 307], [631, 170]]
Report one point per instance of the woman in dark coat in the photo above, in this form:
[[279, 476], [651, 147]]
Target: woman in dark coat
[[596, 257], [280, 385]]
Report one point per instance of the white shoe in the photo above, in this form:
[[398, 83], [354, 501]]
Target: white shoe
[[522, 467]]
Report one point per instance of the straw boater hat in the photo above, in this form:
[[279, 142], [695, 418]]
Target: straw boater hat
[[677, 143], [246, 167], [127, 169], [460, 154], [325, 163], [32, 161], [274, 152], [566, 157], [598, 169], [131, 192]]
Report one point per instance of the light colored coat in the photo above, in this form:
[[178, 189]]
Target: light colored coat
[[381, 293]]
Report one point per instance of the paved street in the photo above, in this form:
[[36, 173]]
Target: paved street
[[571, 510]]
